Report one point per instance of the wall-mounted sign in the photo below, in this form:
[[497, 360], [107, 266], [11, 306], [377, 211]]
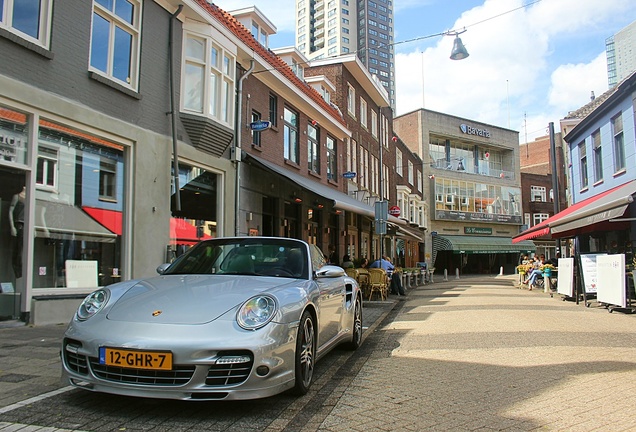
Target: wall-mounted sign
[[477, 230], [471, 130], [349, 175], [260, 125], [395, 211], [477, 217]]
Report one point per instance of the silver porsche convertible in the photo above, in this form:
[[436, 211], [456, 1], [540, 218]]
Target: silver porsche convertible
[[232, 318]]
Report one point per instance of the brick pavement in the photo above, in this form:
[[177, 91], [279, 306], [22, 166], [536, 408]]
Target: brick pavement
[[469, 354]]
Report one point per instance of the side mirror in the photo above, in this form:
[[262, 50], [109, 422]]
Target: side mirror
[[330, 271], [162, 268]]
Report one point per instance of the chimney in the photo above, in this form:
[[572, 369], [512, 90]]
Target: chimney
[[592, 97]]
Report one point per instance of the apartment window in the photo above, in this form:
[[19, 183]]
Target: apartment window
[[538, 193], [619, 144], [374, 174], [598, 156], [351, 101], [410, 172], [46, 174], [313, 148], [209, 79], [291, 136], [273, 109], [398, 162], [364, 167], [332, 159], [526, 220], [115, 40], [537, 218], [583, 164], [419, 181], [354, 158], [256, 135], [363, 112], [374, 124], [386, 179], [30, 20]]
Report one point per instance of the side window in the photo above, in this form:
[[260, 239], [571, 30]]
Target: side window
[[318, 259]]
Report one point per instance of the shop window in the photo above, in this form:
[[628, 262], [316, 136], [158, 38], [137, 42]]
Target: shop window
[[78, 233], [28, 19], [115, 39], [14, 136], [198, 216]]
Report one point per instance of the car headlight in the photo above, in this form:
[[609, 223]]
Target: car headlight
[[256, 312], [92, 304]]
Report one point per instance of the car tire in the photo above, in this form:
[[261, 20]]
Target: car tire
[[356, 331], [305, 353]]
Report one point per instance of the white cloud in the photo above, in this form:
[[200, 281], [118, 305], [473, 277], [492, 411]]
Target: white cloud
[[512, 77]]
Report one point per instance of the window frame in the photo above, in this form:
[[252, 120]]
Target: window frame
[[217, 68], [618, 139], [291, 136], [256, 135], [332, 158], [117, 23], [313, 148], [598, 155], [44, 25]]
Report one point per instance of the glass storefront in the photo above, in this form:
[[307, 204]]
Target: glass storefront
[[79, 187], [61, 207]]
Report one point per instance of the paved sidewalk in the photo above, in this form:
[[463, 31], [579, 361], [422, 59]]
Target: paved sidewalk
[[479, 354]]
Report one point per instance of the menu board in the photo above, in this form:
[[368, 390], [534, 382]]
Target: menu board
[[565, 277], [588, 267], [611, 287]]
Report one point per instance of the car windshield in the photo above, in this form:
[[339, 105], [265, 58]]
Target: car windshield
[[232, 256]]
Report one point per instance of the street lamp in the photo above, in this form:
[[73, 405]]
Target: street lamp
[[459, 50]]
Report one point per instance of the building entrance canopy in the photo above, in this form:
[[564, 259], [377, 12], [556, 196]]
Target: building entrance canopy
[[480, 245], [340, 200], [603, 207]]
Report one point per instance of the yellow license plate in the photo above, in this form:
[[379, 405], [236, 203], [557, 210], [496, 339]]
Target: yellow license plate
[[157, 360]]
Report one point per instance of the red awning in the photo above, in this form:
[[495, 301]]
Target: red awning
[[592, 210], [181, 231]]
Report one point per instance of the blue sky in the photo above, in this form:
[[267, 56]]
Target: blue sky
[[531, 62]]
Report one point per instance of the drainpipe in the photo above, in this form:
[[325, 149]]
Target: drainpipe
[[236, 150], [173, 112]]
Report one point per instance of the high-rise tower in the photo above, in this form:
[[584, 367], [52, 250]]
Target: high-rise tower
[[621, 54], [329, 28]]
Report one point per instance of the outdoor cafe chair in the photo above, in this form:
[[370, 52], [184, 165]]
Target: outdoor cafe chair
[[378, 283]]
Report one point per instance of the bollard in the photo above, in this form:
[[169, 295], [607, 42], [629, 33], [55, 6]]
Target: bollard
[[456, 273], [445, 275], [501, 271]]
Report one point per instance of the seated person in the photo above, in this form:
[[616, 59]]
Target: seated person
[[536, 272], [347, 263]]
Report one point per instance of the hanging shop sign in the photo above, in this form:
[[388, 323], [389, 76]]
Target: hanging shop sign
[[395, 211], [349, 175]]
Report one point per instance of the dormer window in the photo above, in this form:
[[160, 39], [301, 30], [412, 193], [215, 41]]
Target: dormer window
[[259, 34]]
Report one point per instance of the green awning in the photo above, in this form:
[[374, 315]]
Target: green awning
[[481, 244]]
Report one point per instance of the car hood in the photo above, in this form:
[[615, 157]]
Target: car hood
[[188, 299]]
